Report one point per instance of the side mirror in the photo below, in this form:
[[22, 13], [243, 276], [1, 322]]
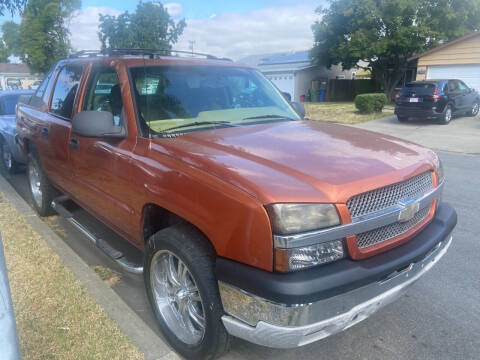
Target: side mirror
[[299, 108], [97, 124]]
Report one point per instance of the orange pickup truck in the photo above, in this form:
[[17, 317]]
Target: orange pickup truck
[[250, 221]]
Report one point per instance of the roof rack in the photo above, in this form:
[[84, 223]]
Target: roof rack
[[141, 51]]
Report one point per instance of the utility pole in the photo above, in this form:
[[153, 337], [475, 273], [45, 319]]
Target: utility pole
[[191, 42]]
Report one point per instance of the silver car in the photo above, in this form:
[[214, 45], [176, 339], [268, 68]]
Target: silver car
[[11, 157]]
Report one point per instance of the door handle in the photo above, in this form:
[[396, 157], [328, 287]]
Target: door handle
[[74, 143], [45, 132]]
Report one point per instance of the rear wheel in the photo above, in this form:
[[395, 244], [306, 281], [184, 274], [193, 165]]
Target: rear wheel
[[447, 115], [40, 188], [183, 291], [474, 110], [8, 163]]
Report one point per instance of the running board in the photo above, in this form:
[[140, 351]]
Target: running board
[[118, 256]]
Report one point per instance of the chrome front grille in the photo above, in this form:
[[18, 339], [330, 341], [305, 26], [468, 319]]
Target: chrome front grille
[[387, 232], [385, 197]]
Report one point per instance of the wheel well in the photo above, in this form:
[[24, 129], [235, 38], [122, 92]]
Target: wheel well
[[156, 218]]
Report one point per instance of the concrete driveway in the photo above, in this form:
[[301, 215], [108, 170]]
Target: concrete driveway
[[462, 135]]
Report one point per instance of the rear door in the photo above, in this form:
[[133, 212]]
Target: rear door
[[101, 166], [455, 95], [467, 94], [58, 127]]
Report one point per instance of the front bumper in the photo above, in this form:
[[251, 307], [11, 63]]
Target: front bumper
[[267, 322]]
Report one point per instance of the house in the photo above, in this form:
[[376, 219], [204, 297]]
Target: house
[[457, 59], [16, 76], [293, 72]]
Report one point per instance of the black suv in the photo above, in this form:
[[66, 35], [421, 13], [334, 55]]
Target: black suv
[[437, 99]]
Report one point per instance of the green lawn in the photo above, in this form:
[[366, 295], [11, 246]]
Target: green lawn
[[56, 317], [342, 112]]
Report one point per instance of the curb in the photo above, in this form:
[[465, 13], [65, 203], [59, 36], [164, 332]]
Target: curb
[[148, 342]]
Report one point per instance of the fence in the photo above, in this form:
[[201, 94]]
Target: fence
[[346, 90]]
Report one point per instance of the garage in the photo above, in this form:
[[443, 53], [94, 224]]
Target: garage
[[284, 81], [457, 59], [469, 74]]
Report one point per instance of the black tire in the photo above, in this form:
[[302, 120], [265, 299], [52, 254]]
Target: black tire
[[193, 249], [447, 115], [474, 110], [48, 192], [8, 165], [402, 119]]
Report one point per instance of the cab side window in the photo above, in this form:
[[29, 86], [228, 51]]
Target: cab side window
[[103, 92], [461, 86], [65, 91]]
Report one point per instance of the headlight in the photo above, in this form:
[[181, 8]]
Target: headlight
[[304, 257], [296, 218], [439, 170]]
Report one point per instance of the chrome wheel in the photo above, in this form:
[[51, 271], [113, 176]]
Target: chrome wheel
[[475, 109], [448, 114], [7, 156], [35, 184], [177, 298]]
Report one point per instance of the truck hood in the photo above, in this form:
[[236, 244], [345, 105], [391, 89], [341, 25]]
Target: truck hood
[[300, 161]]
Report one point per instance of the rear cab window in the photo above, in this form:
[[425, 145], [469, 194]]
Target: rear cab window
[[42, 95], [65, 91]]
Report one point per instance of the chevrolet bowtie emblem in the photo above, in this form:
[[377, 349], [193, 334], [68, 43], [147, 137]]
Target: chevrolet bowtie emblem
[[408, 212]]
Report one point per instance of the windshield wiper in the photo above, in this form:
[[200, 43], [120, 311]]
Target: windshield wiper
[[269, 116], [197, 123]]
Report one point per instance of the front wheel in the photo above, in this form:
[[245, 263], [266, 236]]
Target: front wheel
[[447, 115], [183, 291], [474, 110]]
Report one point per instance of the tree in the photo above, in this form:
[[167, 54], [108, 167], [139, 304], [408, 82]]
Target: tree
[[11, 6], [149, 27], [44, 34], [11, 38], [386, 33], [4, 53]]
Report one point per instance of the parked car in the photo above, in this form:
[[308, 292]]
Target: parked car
[[11, 155], [436, 99], [250, 221]]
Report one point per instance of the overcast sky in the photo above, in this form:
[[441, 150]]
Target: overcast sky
[[233, 29]]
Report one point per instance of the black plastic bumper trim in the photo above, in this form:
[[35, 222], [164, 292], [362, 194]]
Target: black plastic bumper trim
[[329, 280]]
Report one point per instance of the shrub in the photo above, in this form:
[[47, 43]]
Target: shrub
[[368, 103]]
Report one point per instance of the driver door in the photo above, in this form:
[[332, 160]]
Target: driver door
[[101, 165]]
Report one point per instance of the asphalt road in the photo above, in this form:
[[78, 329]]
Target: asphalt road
[[438, 319]]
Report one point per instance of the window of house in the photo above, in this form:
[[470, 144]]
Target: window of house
[[103, 92], [65, 91]]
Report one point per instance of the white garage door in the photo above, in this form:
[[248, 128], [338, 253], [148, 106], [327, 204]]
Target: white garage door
[[469, 74], [285, 82]]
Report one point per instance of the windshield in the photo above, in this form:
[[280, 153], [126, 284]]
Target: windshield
[[193, 98]]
